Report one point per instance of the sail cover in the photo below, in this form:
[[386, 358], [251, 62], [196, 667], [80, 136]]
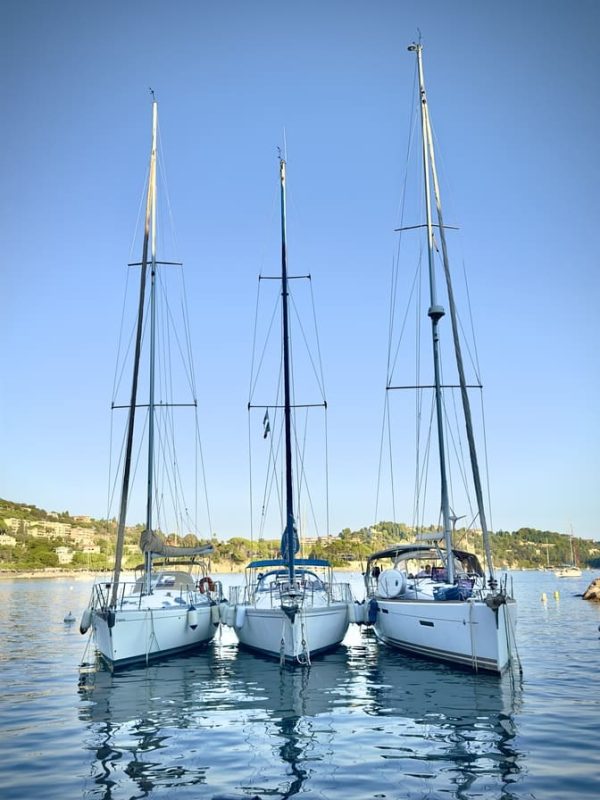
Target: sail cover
[[285, 543], [150, 542]]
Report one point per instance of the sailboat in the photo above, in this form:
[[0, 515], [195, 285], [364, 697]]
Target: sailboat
[[172, 604], [568, 570], [289, 608], [430, 597]]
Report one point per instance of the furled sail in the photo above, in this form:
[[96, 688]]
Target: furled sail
[[151, 542], [285, 543]]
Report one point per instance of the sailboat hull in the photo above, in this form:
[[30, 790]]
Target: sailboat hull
[[467, 633], [271, 632], [567, 572], [147, 634]]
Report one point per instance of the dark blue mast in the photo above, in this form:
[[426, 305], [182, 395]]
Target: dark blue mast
[[289, 541]]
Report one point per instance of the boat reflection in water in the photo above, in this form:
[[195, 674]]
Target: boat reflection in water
[[362, 722], [443, 730], [215, 722]]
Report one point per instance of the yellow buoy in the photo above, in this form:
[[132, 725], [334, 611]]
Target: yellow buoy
[[557, 595], [543, 598]]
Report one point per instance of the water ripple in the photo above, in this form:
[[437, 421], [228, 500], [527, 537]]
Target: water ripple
[[363, 722]]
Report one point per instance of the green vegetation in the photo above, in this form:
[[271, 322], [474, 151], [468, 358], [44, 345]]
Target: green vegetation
[[35, 548]]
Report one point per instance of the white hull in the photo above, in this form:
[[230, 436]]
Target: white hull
[[567, 572], [464, 632], [144, 634], [314, 630]]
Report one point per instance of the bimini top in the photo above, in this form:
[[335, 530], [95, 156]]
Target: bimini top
[[470, 560], [298, 562]]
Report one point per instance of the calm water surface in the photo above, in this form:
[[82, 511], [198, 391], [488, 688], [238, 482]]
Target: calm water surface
[[362, 722]]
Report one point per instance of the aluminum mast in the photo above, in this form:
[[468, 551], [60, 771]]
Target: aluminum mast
[[150, 218], [455, 330], [435, 313]]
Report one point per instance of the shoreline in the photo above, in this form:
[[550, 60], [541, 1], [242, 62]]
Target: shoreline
[[83, 574], [86, 574]]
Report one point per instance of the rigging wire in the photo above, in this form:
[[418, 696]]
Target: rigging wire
[[188, 369], [391, 452], [271, 476], [485, 457], [255, 373], [424, 472], [167, 333], [381, 440], [472, 338], [392, 308], [327, 530], [402, 207], [457, 448], [317, 339], [450, 410], [140, 213], [250, 486], [168, 476], [301, 482], [271, 479], [254, 376], [418, 392], [250, 415], [302, 478], [262, 356], [318, 377], [274, 477], [166, 196], [254, 334], [111, 487]]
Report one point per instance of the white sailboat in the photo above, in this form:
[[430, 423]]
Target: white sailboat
[[289, 608], [570, 570], [171, 606], [429, 597]]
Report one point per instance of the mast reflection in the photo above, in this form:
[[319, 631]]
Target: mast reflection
[[362, 721], [457, 726], [176, 723]]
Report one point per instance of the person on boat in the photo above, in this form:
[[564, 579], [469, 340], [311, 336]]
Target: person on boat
[[425, 573]]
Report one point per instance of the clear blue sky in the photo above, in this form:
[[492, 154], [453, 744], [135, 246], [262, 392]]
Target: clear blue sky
[[513, 89]]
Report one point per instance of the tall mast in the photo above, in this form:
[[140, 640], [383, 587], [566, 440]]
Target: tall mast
[[150, 481], [435, 313], [289, 535], [466, 404], [136, 368]]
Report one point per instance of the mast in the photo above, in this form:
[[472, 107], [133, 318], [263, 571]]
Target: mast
[[435, 313], [150, 480], [289, 535], [573, 562], [466, 404], [136, 367]]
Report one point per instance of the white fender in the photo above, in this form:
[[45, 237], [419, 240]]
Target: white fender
[[391, 583], [228, 614], [215, 616], [192, 617], [86, 621], [240, 616]]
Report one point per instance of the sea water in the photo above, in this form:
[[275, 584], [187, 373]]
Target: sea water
[[361, 722]]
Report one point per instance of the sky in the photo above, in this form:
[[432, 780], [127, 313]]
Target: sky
[[513, 93]]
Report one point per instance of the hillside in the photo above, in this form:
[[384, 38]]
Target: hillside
[[32, 538]]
